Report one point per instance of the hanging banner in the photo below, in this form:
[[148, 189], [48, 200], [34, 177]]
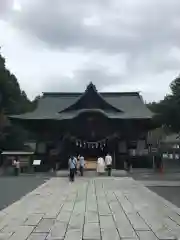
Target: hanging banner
[[98, 144]]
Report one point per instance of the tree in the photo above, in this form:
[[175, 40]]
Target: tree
[[175, 87], [12, 101], [167, 111]]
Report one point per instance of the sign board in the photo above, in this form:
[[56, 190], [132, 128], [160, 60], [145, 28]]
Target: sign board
[[145, 151], [154, 150], [37, 162]]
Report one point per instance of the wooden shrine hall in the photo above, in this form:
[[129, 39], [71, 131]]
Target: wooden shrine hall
[[90, 123]]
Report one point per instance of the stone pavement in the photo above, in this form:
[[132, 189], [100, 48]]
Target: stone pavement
[[90, 209], [93, 173]]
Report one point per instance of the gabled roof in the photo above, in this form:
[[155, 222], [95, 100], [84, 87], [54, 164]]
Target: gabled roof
[[91, 99], [60, 106]]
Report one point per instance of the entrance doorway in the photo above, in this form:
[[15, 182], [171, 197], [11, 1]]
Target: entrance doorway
[[90, 153]]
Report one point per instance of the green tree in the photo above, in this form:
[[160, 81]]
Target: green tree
[[175, 87], [167, 111], [12, 101]]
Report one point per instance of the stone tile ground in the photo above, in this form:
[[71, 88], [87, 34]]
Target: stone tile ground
[[90, 209]]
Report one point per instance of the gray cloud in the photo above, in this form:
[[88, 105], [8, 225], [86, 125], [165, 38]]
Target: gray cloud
[[130, 27], [99, 75], [61, 25], [145, 33], [5, 7]]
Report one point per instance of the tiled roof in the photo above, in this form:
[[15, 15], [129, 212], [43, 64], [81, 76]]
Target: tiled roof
[[61, 106], [51, 104]]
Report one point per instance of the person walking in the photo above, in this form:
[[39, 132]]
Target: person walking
[[76, 168], [81, 165], [72, 168], [100, 165], [16, 165], [108, 162]]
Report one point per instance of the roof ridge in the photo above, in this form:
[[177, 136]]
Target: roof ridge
[[80, 93]]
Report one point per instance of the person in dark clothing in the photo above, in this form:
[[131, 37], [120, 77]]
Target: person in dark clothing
[[129, 164]]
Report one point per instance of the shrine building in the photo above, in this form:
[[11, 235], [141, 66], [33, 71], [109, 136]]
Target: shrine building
[[90, 123]]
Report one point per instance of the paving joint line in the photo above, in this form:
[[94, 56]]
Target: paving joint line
[[112, 213], [95, 188], [126, 214]]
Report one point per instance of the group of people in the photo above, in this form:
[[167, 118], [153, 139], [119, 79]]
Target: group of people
[[103, 165], [76, 164]]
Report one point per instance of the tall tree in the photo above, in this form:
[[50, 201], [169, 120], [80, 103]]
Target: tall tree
[[175, 87], [12, 101], [167, 111]]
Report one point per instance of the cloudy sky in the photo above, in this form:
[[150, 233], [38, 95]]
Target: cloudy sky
[[120, 45]]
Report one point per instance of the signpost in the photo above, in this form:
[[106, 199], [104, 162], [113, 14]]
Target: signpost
[[36, 163]]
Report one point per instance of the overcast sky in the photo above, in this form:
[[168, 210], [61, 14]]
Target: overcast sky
[[119, 45]]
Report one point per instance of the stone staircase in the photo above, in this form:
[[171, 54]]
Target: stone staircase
[[91, 164]]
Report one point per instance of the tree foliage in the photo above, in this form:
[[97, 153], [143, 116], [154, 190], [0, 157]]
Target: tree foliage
[[167, 111], [12, 101]]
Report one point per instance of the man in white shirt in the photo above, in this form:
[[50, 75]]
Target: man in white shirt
[[108, 162]]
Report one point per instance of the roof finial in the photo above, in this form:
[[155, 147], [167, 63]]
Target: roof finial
[[91, 86]]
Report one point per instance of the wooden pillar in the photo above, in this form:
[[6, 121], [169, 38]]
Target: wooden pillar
[[114, 159]]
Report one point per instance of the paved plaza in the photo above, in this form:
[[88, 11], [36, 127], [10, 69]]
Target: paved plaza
[[90, 209]]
